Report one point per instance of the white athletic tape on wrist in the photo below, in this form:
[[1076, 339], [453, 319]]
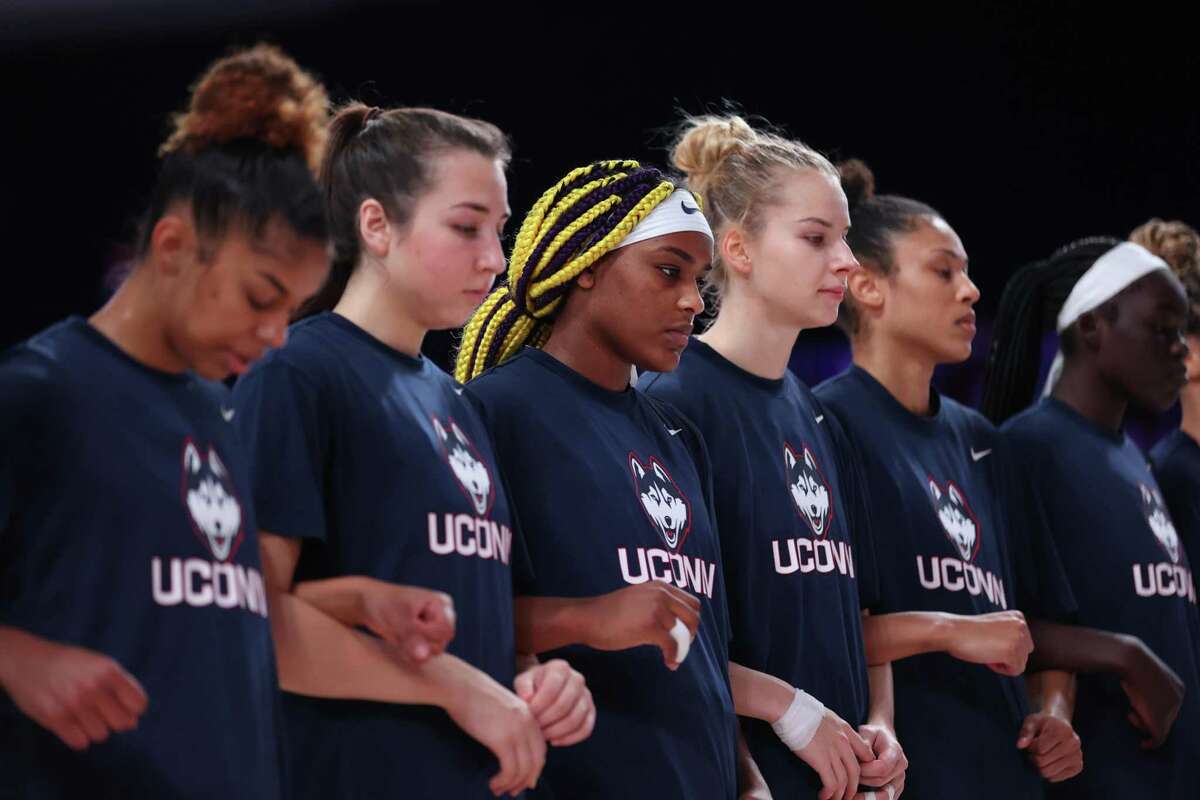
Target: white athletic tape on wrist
[[799, 723], [683, 640]]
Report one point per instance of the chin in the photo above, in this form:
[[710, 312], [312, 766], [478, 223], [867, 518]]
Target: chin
[[659, 361]]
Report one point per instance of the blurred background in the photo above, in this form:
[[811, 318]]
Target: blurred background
[[1028, 125]]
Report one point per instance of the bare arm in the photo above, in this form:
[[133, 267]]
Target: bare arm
[[1000, 640]]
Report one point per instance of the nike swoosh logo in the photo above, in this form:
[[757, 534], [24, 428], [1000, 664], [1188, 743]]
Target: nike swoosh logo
[[228, 413], [674, 431], [686, 208], [458, 390], [820, 419], [978, 454]]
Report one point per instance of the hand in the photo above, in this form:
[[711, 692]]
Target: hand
[[418, 622], [1000, 640], [503, 723], [1053, 745], [559, 700], [889, 791], [1155, 694], [890, 762], [78, 695], [643, 614], [835, 753]]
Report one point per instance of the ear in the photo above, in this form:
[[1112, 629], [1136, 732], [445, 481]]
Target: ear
[[1090, 329], [788, 458], [956, 496], [374, 228], [659, 472], [173, 243], [439, 430], [735, 252], [215, 462], [636, 467], [867, 288], [458, 434], [809, 460], [587, 278], [933, 487], [191, 459]]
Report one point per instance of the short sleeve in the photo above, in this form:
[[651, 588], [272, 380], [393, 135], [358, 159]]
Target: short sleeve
[[856, 501], [1043, 590], [283, 428], [26, 382]]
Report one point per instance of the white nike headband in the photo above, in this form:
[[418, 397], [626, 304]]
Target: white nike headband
[[679, 212], [1112, 273]]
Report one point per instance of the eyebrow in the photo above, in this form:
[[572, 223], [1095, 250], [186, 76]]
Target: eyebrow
[[952, 254], [678, 252], [274, 281], [817, 220], [480, 208]]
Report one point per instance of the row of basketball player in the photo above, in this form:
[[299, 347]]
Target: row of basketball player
[[533, 575]]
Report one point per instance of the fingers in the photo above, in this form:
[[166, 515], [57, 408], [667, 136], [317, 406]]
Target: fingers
[[525, 684], [839, 775], [1029, 730], [1061, 770], [859, 746], [557, 693], [91, 723], [850, 762], [129, 693], [114, 715], [70, 732], [567, 732], [829, 783], [504, 780]]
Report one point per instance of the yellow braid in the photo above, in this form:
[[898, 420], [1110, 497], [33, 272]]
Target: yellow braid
[[532, 325]]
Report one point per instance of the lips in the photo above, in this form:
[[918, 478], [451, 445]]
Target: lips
[[834, 292], [238, 363], [679, 336], [967, 322]]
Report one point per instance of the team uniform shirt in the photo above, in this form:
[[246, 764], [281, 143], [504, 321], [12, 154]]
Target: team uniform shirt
[[126, 529], [1093, 496], [613, 490], [942, 543], [788, 507], [383, 468], [1176, 460]]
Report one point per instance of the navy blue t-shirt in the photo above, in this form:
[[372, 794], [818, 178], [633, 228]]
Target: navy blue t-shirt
[[1094, 497], [788, 506], [942, 543], [613, 489], [376, 460], [126, 528], [1176, 460]]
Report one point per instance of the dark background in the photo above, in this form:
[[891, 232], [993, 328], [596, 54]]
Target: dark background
[[1027, 125]]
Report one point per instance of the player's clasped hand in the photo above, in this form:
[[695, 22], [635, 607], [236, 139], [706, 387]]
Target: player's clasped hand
[[890, 763], [1001, 640], [835, 754], [503, 723], [418, 622], [1155, 695], [80, 696], [1053, 746], [560, 701], [644, 614]]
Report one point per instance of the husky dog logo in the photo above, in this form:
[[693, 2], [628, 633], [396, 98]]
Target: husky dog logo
[[1160, 520], [211, 501], [665, 505], [956, 517], [470, 470], [810, 490]]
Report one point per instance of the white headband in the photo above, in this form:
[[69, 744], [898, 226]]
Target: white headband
[[1112, 273], [679, 212]]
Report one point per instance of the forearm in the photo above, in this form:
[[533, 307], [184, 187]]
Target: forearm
[[750, 780], [1052, 692], [320, 657], [548, 623], [759, 695], [1079, 650], [881, 708], [340, 598], [891, 637]]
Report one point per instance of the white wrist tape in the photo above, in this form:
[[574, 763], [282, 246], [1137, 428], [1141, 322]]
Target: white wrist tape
[[683, 640], [799, 723]]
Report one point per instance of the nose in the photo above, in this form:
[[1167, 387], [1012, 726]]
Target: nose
[[1180, 347], [492, 258], [692, 299], [968, 292], [844, 261]]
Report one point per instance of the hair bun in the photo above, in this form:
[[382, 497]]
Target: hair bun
[[259, 93], [704, 143], [858, 182]]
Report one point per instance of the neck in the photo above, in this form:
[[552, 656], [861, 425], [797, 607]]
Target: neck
[[574, 345], [748, 338], [1189, 400], [1091, 396], [370, 303], [905, 375], [132, 320]]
